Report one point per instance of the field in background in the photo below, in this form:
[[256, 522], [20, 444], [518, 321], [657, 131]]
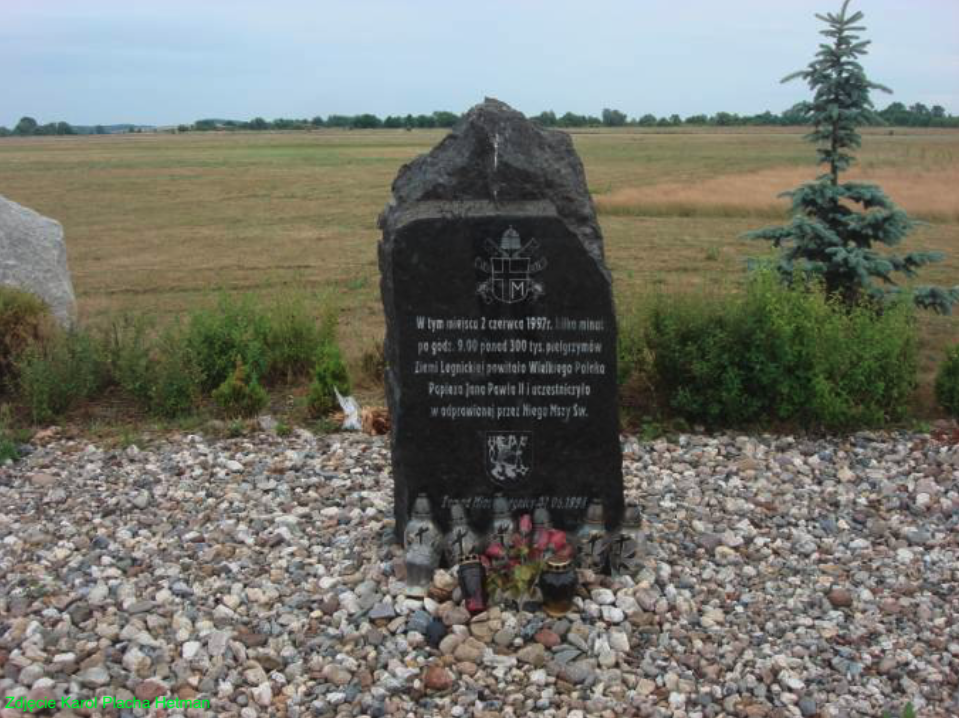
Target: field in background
[[155, 222]]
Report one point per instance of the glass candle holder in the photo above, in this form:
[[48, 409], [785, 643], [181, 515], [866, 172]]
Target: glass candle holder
[[557, 582], [472, 578], [421, 562]]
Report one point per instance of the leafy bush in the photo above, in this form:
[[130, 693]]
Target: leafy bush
[[24, 321], [158, 370], [292, 338], [176, 377], [216, 337], [329, 373], [128, 349], [8, 447], [278, 342], [947, 382], [55, 375], [8, 450], [240, 394], [775, 353]]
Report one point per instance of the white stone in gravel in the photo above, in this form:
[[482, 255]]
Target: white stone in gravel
[[603, 596], [190, 650], [263, 694], [95, 676], [135, 661], [627, 604], [98, 594], [234, 466], [791, 681], [217, 643], [254, 675], [538, 677], [712, 617], [619, 641], [611, 614], [31, 674]]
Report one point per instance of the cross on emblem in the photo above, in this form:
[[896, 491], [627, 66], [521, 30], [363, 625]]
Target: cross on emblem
[[510, 269], [510, 278]]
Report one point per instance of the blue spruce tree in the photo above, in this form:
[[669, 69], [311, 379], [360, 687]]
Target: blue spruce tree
[[834, 224]]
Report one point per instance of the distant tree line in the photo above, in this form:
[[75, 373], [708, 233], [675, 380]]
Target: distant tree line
[[364, 121], [29, 127], [897, 115]]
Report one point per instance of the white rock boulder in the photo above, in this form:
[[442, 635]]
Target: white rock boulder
[[33, 257]]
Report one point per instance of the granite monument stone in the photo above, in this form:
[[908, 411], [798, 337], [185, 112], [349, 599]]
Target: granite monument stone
[[501, 332]]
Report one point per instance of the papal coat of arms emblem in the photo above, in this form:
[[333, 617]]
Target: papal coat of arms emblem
[[509, 456], [510, 267]]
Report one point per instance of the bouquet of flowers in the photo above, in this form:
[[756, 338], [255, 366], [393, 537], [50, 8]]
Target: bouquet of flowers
[[513, 566]]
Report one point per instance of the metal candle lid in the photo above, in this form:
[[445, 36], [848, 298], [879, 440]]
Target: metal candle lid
[[633, 518], [421, 507], [594, 514], [500, 507], [541, 519], [457, 513]]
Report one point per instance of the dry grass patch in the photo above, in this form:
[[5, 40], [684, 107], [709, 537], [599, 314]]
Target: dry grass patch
[[927, 194]]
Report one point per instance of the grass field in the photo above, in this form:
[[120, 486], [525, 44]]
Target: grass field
[[155, 222]]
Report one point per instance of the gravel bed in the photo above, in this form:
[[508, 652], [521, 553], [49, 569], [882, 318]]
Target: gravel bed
[[785, 577]]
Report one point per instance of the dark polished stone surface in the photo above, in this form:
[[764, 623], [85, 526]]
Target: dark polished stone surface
[[501, 335]]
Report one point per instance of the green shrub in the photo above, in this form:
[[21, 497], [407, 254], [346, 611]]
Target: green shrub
[[947, 382], [55, 375], [176, 377], [292, 338], [128, 348], [276, 341], [8, 450], [8, 447], [24, 321], [240, 394], [157, 369], [775, 353], [329, 373], [216, 337], [700, 355]]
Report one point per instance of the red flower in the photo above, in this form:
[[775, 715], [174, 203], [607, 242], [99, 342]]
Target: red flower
[[525, 524], [557, 539], [495, 550], [542, 539]]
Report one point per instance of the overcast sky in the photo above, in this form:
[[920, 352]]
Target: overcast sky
[[171, 61]]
